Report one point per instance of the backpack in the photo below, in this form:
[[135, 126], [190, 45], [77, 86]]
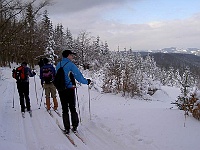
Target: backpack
[[19, 74], [59, 80], [47, 75]]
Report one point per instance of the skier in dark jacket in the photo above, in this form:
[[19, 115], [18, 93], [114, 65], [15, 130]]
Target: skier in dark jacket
[[23, 87], [47, 74], [67, 96]]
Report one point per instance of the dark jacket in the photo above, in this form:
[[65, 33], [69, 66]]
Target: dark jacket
[[45, 67]]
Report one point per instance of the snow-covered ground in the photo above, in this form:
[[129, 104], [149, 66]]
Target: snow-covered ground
[[116, 123]]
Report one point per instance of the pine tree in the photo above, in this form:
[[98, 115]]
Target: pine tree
[[29, 42], [84, 47], [49, 44], [104, 53], [187, 82], [69, 43], [170, 77], [59, 38]]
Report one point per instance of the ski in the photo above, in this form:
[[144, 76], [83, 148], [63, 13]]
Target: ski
[[57, 112], [67, 135], [69, 138], [49, 112], [78, 136], [30, 113]]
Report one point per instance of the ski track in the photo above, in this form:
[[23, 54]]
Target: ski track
[[10, 120], [41, 131], [94, 135]]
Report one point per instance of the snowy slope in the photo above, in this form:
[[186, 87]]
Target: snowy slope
[[116, 123]]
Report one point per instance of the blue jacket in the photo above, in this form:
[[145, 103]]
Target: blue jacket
[[45, 67], [71, 67]]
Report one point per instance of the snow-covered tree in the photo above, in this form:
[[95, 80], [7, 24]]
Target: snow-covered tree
[[49, 51], [48, 34], [59, 39], [187, 82], [84, 46], [69, 42], [170, 79], [29, 40]]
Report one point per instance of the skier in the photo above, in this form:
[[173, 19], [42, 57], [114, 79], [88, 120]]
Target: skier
[[67, 96], [22, 74], [47, 74]]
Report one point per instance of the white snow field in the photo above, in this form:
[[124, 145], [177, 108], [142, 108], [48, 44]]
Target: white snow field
[[113, 122]]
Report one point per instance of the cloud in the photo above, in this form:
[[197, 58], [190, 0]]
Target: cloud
[[74, 6], [89, 16], [179, 33]]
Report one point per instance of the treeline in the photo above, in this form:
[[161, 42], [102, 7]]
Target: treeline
[[18, 31], [26, 34], [178, 61]]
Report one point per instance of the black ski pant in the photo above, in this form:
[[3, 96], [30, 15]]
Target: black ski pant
[[68, 102], [23, 90]]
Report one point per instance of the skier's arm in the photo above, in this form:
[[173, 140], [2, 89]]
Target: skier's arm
[[30, 73], [78, 75]]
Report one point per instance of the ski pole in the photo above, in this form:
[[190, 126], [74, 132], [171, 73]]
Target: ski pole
[[89, 101], [78, 105], [35, 90], [14, 97], [41, 98]]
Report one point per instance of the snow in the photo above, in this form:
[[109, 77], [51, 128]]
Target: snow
[[116, 123]]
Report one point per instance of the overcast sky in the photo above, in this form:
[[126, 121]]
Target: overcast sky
[[136, 24]]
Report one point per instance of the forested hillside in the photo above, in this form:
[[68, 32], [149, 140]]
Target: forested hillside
[[178, 61]]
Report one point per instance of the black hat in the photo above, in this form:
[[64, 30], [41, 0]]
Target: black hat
[[24, 63], [45, 60], [66, 53]]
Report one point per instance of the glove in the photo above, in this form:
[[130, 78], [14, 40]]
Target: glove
[[34, 73], [89, 81]]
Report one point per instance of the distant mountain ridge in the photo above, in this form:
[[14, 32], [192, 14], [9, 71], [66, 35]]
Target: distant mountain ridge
[[176, 58], [177, 61], [194, 51]]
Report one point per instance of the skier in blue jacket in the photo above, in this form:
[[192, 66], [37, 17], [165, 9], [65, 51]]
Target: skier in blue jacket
[[67, 96]]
